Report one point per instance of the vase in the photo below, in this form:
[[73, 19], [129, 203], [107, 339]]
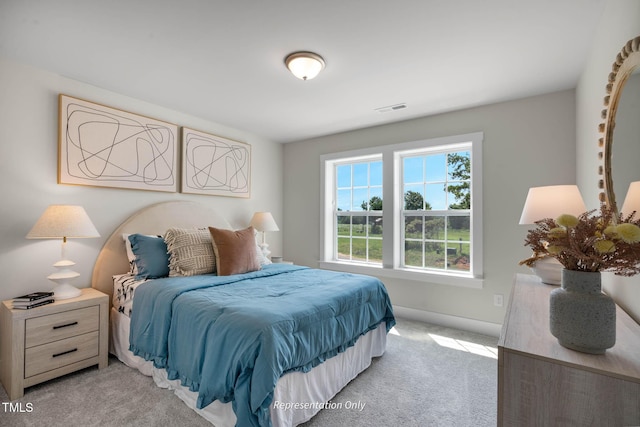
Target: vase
[[581, 317]]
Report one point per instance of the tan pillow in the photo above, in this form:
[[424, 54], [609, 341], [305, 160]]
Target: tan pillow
[[235, 251], [190, 252]]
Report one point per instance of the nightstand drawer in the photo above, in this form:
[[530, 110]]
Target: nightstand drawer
[[50, 356], [54, 327]]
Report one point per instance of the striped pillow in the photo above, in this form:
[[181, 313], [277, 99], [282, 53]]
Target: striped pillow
[[190, 252]]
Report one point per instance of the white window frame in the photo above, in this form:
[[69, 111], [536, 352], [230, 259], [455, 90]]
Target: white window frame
[[392, 219], [354, 213]]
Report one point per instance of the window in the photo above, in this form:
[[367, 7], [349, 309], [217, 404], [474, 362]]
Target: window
[[436, 216], [358, 213], [408, 210]]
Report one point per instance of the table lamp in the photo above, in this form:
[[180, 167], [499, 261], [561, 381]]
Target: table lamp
[[632, 200], [263, 222], [62, 222], [551, 202]]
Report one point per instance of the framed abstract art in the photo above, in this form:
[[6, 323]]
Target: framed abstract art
[[214, 165], [107, 147]]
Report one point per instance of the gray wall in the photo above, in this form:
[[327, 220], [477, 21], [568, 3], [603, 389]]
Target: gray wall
[[28, 173], [527, 143], [620, 23]]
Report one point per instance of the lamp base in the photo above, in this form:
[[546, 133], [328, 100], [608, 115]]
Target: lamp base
[[62, 289], [265, 250], [549, 270], [65, 291]]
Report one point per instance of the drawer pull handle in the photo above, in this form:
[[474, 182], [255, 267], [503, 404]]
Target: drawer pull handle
[[65, 352], [64, 326]]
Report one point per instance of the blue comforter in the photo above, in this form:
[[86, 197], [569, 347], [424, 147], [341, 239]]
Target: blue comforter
[[231, 338]]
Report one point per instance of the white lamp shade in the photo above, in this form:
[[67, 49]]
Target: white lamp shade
[[263, 221], [551, 202], [632, 200], [62, 221], [304, 65]]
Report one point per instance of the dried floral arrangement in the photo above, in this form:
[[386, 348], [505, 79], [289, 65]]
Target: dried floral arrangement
[[589, 242]]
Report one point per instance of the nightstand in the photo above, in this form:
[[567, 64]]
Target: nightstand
[[46, 342]]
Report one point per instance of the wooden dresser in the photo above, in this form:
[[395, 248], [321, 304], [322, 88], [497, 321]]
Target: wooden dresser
[[45, 342], [541, 383]]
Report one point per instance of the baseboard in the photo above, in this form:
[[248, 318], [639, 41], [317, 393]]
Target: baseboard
[[472, 325]]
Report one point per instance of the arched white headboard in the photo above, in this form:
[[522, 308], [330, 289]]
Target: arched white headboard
[[154, 219]]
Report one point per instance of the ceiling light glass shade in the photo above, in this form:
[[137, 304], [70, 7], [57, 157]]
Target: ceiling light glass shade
[[551, 202], [304, 65]]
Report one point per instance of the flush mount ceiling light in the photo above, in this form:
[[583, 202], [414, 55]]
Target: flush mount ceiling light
[[304, 65]]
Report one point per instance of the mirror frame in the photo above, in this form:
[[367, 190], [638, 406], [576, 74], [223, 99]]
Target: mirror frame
[[627, 60]]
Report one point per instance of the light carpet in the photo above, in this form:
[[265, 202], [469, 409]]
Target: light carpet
[[429, 376]]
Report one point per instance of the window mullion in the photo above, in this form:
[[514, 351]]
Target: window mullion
[[390, 221]]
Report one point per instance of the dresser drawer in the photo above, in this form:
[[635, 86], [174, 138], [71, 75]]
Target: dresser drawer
[[50, 356], [54, 327]]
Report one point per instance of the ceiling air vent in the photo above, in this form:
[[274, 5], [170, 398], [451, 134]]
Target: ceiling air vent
[[395, 107]]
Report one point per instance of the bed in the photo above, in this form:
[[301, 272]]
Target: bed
[[303, 373]]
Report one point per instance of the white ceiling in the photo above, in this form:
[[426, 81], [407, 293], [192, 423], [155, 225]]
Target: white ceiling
[[222, 60]]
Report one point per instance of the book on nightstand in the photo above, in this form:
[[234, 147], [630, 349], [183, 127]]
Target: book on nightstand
[[31, 304], [33, 296], [32, 300]]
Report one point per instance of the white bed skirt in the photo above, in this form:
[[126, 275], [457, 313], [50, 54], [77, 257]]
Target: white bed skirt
[[310, 390]]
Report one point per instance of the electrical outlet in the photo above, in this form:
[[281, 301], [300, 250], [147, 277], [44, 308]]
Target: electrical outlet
[[498, 300]]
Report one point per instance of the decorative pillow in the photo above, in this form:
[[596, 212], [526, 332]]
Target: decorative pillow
[[235, 251], [130, 256], [150, 256], [190, 252], [133, 268]]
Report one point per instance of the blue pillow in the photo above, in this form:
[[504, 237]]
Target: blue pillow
[[152, 259]]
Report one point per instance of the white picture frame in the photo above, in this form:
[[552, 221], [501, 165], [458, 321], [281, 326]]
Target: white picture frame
[[107, 147], [215, 166]]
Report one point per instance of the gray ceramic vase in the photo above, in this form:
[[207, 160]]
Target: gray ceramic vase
[[581, 317]]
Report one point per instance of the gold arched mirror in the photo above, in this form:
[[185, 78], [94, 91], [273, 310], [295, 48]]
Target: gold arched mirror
[[622, 115]]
